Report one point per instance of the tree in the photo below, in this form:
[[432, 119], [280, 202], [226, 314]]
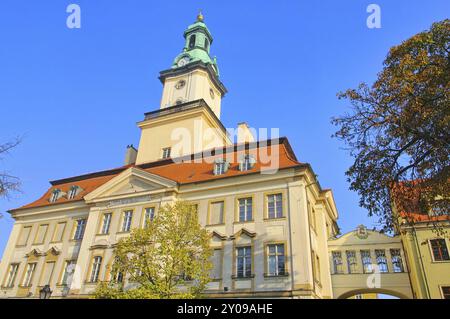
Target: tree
[[168, 258], [8, 183], [398, 131]]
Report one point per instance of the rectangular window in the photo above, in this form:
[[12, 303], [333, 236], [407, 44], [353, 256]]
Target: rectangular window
[[59, 232], [275, 206], [276, 260], [351, 262], [367, 261], [106, 222], [24, 236], [166, 152], [243, 262], [73, 192], [79, 230], [439, 248], [316, 266], [245, 209], [126, 220], [216, 259], [397, 263], [381, 260], [69, 269], [46, 278], [55, 195], [27, 280], [220, 168], [337, 262], [40, 236], [446, 292], [96, 264], [12, 274], [149, 215], [216, 211]]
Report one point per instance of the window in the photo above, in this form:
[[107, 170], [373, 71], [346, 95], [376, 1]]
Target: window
[[69, 270], [243, 262], [216, 259], [46, 278], [59, 232], [439, 248], [312, 217], [245, 209], [126, 221], [73, 192], [55, 195], [29, 275], [351, 262], [12, 274], [216, 210], [246, 163], [206, 44], [166, 152], [220, 167], [381, 260], [366, 261], [275, 206], [106, 223], [40, 236], [79, 230], [192, 41], [397, 263], [149, 215], [446, 292], [316, 266], [337, 262], [276, 260], [24, 236], [96, 264]]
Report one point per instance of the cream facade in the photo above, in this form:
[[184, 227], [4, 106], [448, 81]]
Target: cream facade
[[265, 210]]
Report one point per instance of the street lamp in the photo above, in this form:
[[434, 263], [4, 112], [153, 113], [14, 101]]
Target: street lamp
[[45, 292]]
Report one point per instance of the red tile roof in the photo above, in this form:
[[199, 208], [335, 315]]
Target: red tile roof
[[182, 170]]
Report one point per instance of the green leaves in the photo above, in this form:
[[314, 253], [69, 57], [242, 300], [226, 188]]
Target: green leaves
[[169, 258], [398, 130]]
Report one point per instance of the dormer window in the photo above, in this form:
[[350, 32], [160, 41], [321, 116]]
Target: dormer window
[[73, 192], [166, 152], [246, 163], [55, 195], [192, 41], [221, 167]]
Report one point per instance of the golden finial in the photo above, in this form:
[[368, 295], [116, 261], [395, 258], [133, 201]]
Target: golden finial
[[200, 16]]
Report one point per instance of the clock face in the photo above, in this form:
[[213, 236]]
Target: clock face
[[183, 61]]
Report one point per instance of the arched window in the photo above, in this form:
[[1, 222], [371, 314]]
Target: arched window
[[192, 41]]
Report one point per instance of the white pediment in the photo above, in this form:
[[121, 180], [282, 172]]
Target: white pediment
[[130, 182]]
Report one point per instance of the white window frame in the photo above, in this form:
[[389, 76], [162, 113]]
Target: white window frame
[[96, 266], [79, 229], [127, 218], [29, 273], [106, 223], [248, 209]]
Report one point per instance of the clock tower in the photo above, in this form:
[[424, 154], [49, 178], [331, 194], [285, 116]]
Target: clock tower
[[194, 74], [188, 120]]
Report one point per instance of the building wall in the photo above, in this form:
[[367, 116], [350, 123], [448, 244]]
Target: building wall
[[427, 275], [291, 230]]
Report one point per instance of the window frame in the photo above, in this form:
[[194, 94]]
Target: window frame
[[28, 237], [267, 259], [53, 241], [75, 227], [335, 266], [370, 269], [433, 257], [443, 294], [101, 227], [208, 215], [246, 258], [402, 267], [166, 152], [283, 204], [98, 271], [8, 279], [238, 209], [43, 237], [349, 269], [385, 260], [144, 214], [26, 277], [122, 221]]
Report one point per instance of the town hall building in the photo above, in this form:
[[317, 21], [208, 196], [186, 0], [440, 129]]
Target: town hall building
[[264, 208]]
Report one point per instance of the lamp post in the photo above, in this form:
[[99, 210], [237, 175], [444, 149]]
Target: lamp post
[[45, 292]]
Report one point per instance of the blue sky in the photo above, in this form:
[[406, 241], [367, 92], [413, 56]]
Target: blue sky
[[76, 95]]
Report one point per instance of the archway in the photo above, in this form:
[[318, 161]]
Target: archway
[[352, 293]]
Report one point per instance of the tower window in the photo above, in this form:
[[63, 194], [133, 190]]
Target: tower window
[[192, 41], [206, 44], [166, 152]]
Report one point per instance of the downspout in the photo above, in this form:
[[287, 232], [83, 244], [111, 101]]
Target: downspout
[[421, 261]]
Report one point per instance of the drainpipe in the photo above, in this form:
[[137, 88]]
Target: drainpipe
[[421, 261]]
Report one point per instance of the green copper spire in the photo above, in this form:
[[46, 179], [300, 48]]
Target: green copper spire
[[197, 45]]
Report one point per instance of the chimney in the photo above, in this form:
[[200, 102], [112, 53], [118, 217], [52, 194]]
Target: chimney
[[130, 155], [244, 134]]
